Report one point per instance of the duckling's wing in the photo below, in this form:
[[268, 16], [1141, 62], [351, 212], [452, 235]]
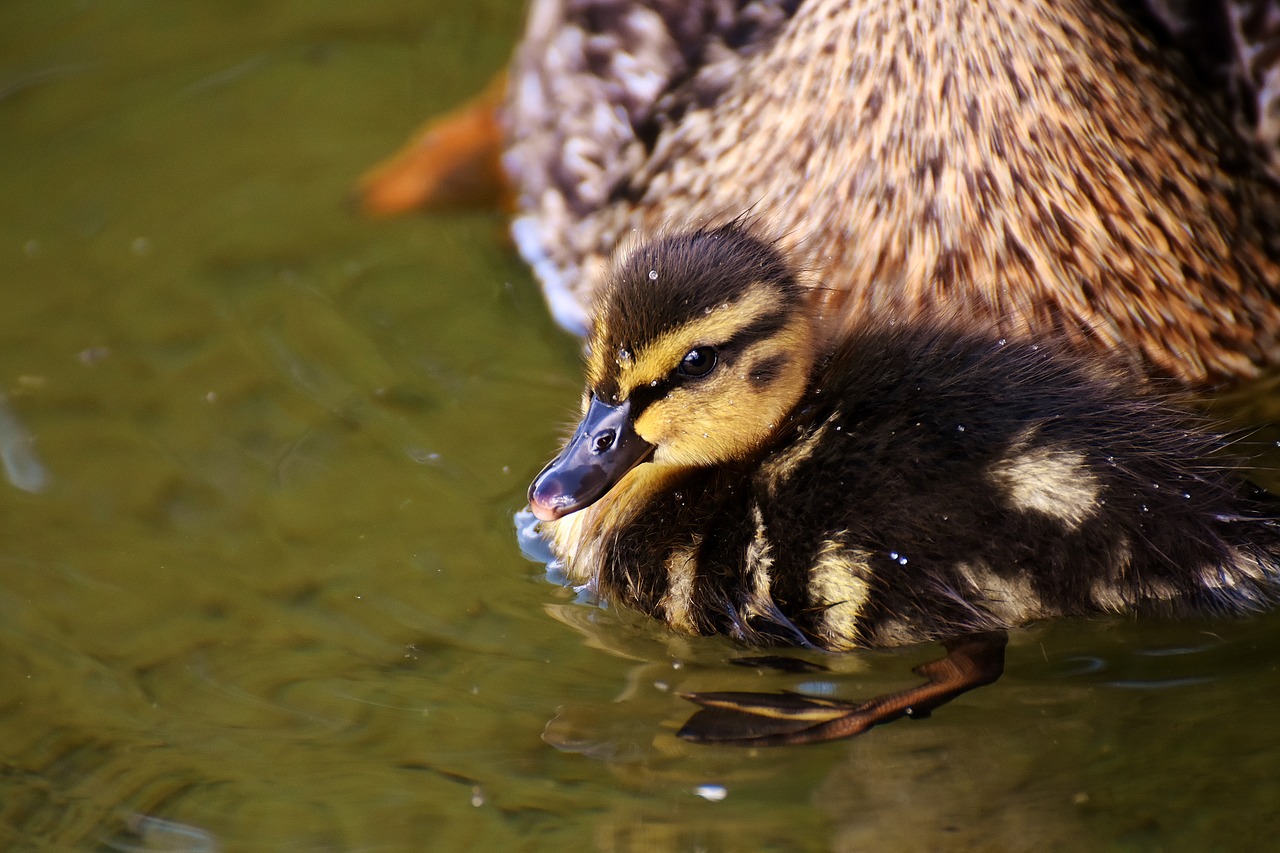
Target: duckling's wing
[[776, 719], [591, 86], [1233, 46]]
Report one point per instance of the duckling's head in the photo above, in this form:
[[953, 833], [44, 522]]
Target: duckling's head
[[700, 345]]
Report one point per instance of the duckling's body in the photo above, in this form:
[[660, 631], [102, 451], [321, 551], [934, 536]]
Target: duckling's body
[[735, 475], [1026, 168]]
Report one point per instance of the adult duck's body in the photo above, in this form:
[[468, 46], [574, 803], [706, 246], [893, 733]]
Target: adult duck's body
[[1033, 167]]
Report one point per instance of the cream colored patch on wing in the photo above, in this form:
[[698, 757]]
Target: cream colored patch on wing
[[1105, 592], [1243, 563], [1160, 590], [839, 583], [1241, 569], [897, 632], [1051, 481], [1013, 600], [778, 468], [758, 562], [682, 574]]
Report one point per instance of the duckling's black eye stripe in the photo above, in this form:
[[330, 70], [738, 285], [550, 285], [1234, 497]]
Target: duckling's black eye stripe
[[766, 370], [765, 326], [644, 395]]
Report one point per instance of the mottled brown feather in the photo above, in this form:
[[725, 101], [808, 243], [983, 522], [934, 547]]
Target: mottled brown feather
[[1028, 167]]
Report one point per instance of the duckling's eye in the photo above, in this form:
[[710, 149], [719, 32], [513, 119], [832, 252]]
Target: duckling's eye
[[604, 441], [698, 362]]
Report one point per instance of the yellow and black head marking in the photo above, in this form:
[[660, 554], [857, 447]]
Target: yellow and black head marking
[[737, 473], [698, 349]]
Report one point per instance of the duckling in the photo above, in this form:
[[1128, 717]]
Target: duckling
[[736, 473], [1101, 172]]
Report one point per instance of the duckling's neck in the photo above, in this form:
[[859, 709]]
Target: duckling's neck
[[577, 539]]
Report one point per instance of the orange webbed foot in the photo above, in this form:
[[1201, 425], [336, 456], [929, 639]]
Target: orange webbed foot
[[776, 719], [452, 162]]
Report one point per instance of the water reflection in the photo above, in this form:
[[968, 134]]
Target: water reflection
[[22, 466]]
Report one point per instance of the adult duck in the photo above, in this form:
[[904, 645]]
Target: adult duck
[[1098, 171]]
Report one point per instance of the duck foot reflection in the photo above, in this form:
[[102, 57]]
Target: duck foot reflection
[[776, 719], [779, 663]]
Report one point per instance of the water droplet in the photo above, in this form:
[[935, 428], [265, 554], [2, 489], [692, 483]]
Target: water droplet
[[653, 275], [959, 427], [902, 561], [477, 796], [1144, 508], [1187, 495], [1002, 342], [713, 793]]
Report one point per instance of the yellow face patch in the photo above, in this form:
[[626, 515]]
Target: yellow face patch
[[730, 412]]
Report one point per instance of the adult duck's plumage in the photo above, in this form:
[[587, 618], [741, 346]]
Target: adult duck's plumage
[[1098, 171]]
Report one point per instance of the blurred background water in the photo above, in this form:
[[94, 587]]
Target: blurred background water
[[259, 588]]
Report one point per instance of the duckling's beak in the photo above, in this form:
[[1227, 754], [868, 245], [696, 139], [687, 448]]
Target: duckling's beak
[[604, 448]]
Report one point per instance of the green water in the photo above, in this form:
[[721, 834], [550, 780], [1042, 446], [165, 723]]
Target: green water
[[258, 583]]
